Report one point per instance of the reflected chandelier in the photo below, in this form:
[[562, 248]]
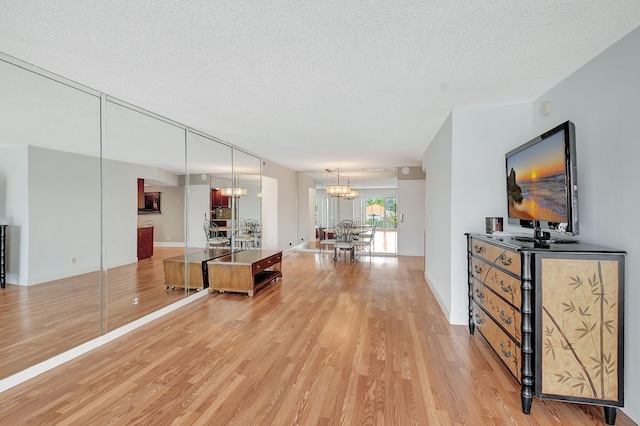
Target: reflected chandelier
[[337, 190], [234, 190], [340, 191]]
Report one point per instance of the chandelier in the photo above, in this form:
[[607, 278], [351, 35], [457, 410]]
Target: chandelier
[[340, 191], [337, 190], [234, 190], [350, 195]]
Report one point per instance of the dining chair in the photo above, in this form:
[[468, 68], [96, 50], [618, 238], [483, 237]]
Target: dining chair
[[347, 223], [365, 240], [214, 235], [256, 231], [344, 241], [247, 233], [324, 240]]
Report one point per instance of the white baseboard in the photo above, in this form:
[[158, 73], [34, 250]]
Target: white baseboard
[[631, 408]]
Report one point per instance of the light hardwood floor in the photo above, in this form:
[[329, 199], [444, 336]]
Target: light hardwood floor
[[332, 343], [46, 319]]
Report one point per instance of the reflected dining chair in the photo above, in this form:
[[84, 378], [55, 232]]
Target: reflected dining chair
[[325, 241], [344, 241], [248, 234], [214, 235], [365, 240]]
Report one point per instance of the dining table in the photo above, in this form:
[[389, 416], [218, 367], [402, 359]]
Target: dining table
[[355, 230], [233, 228]]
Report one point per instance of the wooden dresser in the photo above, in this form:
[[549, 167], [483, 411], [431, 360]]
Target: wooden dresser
[[244, 272], [554, 315]]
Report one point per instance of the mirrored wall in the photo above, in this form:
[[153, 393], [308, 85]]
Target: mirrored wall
[[373, 204], [100, 197]]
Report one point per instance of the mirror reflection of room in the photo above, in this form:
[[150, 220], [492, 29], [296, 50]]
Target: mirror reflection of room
[[99, 196]]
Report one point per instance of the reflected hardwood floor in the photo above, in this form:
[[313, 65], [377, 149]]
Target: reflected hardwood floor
[[332, 343], [46, 319], [384, 242]]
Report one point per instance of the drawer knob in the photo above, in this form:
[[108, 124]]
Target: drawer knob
[[479, 294], [478, 269], [505, 262], [506, 289], [478, 319], [478, 249], [505, 353], [505, 320]]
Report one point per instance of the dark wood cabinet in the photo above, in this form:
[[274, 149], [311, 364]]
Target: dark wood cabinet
[[244, 271], [145, 242], [218, 200], [220, 209], [554, 315], [3, 256]]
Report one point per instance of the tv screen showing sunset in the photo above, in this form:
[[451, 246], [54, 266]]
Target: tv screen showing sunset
[[536, 182]]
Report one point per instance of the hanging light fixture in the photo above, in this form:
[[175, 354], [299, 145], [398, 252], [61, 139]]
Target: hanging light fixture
[[234, 190], [337, 190], [351, 194]]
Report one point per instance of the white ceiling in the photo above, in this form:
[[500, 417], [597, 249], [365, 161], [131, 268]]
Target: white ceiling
[[316, 84]]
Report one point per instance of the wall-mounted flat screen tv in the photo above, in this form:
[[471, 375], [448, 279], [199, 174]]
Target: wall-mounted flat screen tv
[[542, 183]]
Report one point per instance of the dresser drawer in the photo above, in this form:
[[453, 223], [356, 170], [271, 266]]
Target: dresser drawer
[[506, 348], [507, 286], [266, 263], [503, 258], [503, 313]]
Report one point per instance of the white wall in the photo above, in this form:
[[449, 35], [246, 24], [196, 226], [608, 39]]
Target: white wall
[[305, 209], [120, 201], [437, 165], [465, 183], [42, 112], [64, 197], [603, 100], [286, 203], [198, 209], [481, 137], [311, 214], [169, 224], [411, 208], [269, 213], [14, 203]]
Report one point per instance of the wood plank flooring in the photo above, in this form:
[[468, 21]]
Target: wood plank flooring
[[44, 320], [332, 343]]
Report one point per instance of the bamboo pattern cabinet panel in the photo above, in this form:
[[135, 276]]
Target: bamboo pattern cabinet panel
[[581, 328], [554, 315]]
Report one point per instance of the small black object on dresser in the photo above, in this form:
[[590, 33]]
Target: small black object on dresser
[[554, 315]]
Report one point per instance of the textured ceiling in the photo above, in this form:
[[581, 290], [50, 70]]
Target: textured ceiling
[[317, 84]]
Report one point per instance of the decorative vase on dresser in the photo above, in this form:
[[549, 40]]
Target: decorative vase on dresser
[[554, 315]]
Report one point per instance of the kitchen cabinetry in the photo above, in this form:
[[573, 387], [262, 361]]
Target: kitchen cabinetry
[[145, 242]]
